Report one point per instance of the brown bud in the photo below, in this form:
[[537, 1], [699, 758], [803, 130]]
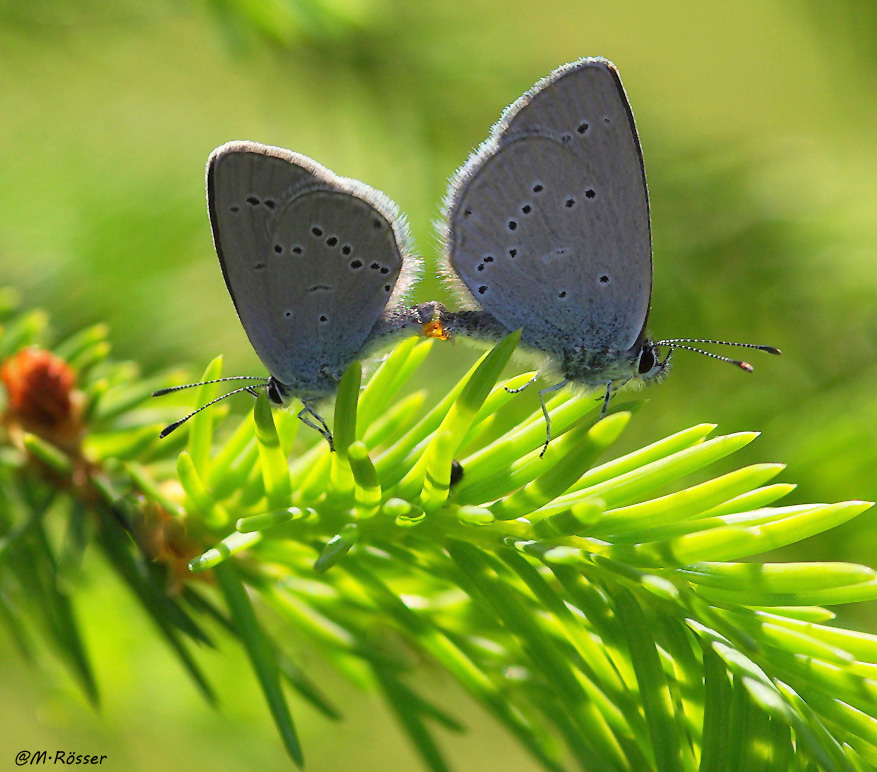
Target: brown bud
[[42, 396]]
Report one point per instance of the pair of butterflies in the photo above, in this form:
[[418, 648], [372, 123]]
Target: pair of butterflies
[[546, 230]]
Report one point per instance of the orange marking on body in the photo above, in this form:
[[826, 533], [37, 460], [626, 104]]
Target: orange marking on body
[[434, 329]]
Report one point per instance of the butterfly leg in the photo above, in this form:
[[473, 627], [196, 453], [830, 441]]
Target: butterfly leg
[[252, 390], [542, 393], [322, 428], [521, 388], [606, 400]]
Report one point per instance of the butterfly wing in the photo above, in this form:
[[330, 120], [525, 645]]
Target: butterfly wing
[[548, 222], [311, 260]]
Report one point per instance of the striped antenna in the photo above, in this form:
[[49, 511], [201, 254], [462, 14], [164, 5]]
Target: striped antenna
[[679, 343], [171, 389], [251, 389]]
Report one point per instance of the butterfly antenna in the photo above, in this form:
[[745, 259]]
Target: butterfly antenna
[[760, 347], [171, 389], [168, 429], [679, 343]]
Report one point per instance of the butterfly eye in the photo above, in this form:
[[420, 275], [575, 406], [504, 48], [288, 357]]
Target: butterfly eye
[[647, 360], [275, 391]]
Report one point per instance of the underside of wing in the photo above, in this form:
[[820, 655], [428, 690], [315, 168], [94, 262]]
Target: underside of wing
[[311, 260], [548, 222]]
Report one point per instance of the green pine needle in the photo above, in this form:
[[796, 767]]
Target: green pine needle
[[605, 612]]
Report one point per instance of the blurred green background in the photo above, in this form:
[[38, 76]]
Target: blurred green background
[[757, 125]]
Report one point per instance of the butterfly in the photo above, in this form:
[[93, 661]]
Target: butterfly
[[317, 266], [546, 229]]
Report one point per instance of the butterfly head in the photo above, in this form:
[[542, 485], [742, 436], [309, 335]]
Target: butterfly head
[[649, 365], [595, 367], [277, 392]]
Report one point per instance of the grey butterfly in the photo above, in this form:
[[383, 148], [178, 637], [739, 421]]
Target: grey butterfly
[[547, 230], [317, 267]]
